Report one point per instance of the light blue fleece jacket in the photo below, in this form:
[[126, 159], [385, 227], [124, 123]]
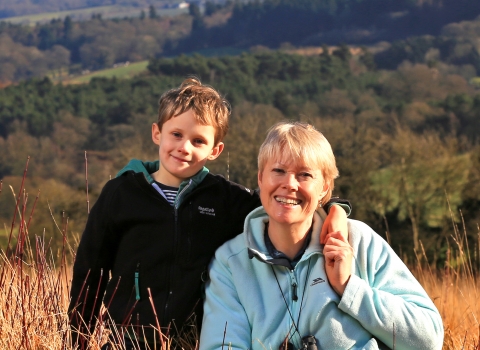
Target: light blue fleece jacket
[[383, 302]]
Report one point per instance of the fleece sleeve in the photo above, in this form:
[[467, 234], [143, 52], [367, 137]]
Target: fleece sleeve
[[224, 316], [240, 201], [386, 298], [344, 203], [93, 261]]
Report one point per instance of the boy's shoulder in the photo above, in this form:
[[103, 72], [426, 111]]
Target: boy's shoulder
[[126, 180], [220, 180]]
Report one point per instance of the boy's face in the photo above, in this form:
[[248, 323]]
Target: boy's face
[[184, 148]]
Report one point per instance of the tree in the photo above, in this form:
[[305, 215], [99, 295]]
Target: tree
[[210, 8], [67, 28], [425, 172], [368, 59], [47, 38], [152, 12]]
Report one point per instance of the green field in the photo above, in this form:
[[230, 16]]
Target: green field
[[113, 11], [122, 72], [475, 82]]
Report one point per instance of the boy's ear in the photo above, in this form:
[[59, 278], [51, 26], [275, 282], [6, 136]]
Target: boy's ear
[[216, 151], [156, 134]]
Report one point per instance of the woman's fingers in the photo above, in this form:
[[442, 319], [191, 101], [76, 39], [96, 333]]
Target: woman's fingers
[[333, 236], [335, 221], [338, 260]]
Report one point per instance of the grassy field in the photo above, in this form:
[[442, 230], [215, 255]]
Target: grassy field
[[113, 11], [123, 71], [34, 300], [34, 285]]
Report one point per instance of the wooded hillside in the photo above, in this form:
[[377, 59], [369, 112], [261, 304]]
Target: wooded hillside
[[10, 8], [317, 22], [421, 31], [405, 140]]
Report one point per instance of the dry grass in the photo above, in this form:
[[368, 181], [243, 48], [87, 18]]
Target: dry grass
[[34, 300], [34, 296], [455, 291]]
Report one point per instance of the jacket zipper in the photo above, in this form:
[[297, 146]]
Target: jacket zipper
[[137, 284], [171, 277], [294, 286]]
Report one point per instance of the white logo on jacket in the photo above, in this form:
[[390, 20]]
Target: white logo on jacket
[[206, 211]]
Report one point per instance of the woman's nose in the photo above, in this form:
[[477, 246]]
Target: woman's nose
[[291, 182]]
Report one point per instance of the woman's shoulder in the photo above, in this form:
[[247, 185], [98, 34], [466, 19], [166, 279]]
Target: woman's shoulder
[[231, 248], [362, 236]]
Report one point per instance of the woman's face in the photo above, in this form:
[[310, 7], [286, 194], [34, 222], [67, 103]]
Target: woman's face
[[290, 192]]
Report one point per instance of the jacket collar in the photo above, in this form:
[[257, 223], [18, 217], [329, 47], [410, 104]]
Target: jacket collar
[[189, 185], [255, 226], [138, 166], [148, 168]]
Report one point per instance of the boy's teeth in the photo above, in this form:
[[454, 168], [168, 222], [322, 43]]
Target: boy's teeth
[[287, 200]]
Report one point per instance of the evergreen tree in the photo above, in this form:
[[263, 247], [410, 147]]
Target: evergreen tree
[[67, 28], [152, 12]]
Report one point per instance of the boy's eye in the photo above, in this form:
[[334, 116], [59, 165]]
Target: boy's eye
[[176, 134], [199, 141]]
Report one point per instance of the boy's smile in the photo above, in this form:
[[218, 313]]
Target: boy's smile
[[185, 145]]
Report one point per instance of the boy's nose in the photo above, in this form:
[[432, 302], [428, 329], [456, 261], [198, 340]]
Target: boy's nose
[[185, 147]]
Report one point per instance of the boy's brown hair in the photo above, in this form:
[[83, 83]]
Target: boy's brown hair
[[206, 103]]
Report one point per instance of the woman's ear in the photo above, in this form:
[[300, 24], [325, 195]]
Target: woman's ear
[[324, 191]]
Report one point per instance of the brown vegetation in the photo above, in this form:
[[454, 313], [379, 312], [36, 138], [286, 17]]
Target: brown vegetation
[[455, 291], [34, 283]]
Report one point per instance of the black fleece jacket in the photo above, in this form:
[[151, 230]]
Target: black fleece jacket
[[133, 231], [136, 244]]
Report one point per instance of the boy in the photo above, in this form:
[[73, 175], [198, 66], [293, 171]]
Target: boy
[[156, 226]]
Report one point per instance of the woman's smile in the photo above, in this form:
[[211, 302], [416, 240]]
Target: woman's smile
[[287, 201], [290, 191]]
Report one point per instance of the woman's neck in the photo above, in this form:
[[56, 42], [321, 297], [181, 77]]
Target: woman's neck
[[288, 238]]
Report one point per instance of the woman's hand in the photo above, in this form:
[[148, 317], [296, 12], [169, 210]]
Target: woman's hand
[[335, 221], [338, 261]]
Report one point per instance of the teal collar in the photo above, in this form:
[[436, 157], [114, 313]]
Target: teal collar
[[148, 168]]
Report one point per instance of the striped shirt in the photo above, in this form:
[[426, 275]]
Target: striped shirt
[[170, 192]]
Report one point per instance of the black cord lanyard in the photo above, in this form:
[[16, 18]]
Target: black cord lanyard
[[301, 302]]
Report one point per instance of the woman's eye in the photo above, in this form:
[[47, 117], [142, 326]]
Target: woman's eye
[[306, 175], [278, 170]]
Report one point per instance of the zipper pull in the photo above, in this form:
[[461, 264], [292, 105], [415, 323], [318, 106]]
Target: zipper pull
[[137, 287], [294, 293]]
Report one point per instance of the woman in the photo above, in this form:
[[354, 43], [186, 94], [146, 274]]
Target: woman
[[276, 286]]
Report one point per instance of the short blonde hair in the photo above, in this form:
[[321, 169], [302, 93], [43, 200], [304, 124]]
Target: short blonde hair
[[206, 103], [300, 142]]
